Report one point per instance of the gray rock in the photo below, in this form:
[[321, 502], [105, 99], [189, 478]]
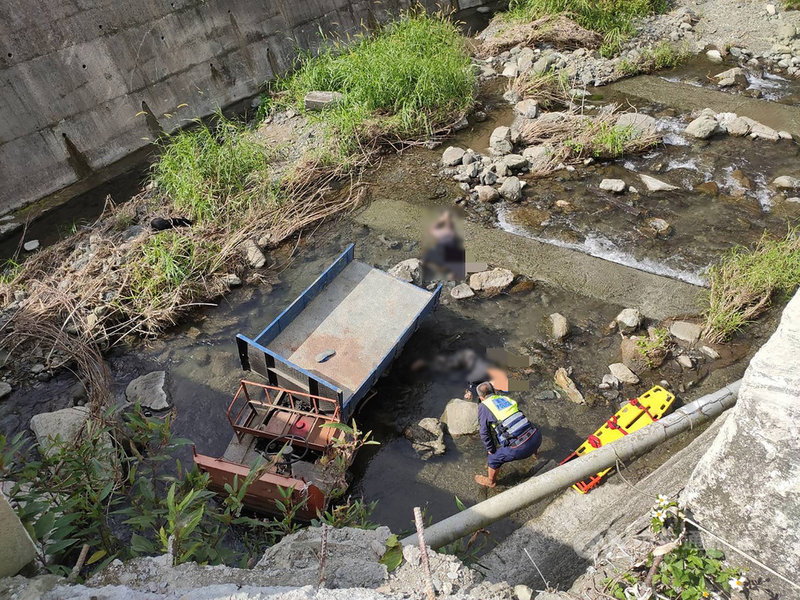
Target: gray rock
[[656, 185], [613, 185], [31, 245], [542, 65], [487, 193], [629, 320], [427, 438], [500, 140], [409, 270], [639, 123], [5, 389], [686, 331], [714, 56], [702, 127], [744, 487], [352, 559], [560, 326], [452, 156], [318, 100], [786, 182], [523, 592], [611, 381], [511, 96], [149, 391], [537, 156], [37, 368], [132, 232], [461, 417], [65, 424], [231, 280], [710, 352], [488, 177], [563, 381], [527, 108], [510, 70], [511, 189], [461, 292], [738, 127], [734, 76], [685, 361], [493, 281], [659, 226], [255, 257], [759, 131], [623, 373], [515, 162]]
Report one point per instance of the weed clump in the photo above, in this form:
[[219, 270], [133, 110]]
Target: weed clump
[[614, 19], [664, 55], [211, 172], [548, 89], [415, 75], [744, 282]]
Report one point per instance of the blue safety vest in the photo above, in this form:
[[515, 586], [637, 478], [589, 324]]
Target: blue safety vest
[[511, 426]]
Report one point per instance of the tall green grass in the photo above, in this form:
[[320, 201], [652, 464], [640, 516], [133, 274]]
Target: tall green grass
[[614, 19], [743, 283], [406, 80], [212, 171]]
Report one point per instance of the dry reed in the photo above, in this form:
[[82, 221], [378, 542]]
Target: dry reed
[[557, 30]]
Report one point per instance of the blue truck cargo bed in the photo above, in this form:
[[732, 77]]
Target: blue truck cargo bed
[[361, 313]]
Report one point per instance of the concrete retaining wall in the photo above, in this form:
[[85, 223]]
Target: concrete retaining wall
[[87, 82]]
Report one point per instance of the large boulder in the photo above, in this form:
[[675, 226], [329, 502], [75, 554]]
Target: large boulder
[[500, 141], [640, 124], [623, 373], [629, 320], [703, 127], [537, 156], [613, 185], [492, 282], [352, 559], [461, 417], [65, 424], [686, 331], [452, 156], [745, 488], [426, 437], [149, 391], [409, 270], [511, 189], [16, 546], [632, 357]]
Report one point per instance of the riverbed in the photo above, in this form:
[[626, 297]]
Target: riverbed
[[201, 360]]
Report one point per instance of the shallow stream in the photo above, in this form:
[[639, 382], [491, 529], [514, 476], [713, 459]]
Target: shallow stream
[[201, 360]]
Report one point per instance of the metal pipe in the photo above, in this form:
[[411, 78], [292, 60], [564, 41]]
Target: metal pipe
[[535, 489]]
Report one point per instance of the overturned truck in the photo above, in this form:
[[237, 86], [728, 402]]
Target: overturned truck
[[318, 361]]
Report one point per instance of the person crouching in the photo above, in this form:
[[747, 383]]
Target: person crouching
[[505, 431]]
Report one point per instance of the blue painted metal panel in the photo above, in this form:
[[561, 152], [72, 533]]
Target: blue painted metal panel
[[279, 359], [351, 404], [295, 308]]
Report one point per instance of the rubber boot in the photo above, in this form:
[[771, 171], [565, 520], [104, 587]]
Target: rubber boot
[[490, 481]]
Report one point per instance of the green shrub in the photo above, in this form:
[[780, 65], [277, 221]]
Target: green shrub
[[791, 4], [614, 19], [744, 281], [211, 172], [415, 74]]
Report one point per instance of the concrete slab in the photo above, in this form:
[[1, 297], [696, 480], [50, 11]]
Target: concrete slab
[[656, 296], [689, 98]]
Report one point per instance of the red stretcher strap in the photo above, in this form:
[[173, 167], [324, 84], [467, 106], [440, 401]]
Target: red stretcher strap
[[594, 441], [635, 402], [612, 424]]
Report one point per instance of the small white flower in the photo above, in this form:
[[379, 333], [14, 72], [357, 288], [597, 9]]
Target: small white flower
[[737, 583], [663, 501], [659, 514]]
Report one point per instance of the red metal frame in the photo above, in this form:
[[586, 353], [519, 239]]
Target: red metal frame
[[274, 394]]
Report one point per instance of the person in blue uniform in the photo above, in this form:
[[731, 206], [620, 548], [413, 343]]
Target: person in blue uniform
[[505, 432]]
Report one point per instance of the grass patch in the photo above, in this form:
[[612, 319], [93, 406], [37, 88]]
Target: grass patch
[[167, 271], [655, 346], [664, 55], [614, 19], [212, 171], [745, 281], [791, 4], [409, 79]]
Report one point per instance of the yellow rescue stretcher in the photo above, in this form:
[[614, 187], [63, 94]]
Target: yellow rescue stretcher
[[637, 413]]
